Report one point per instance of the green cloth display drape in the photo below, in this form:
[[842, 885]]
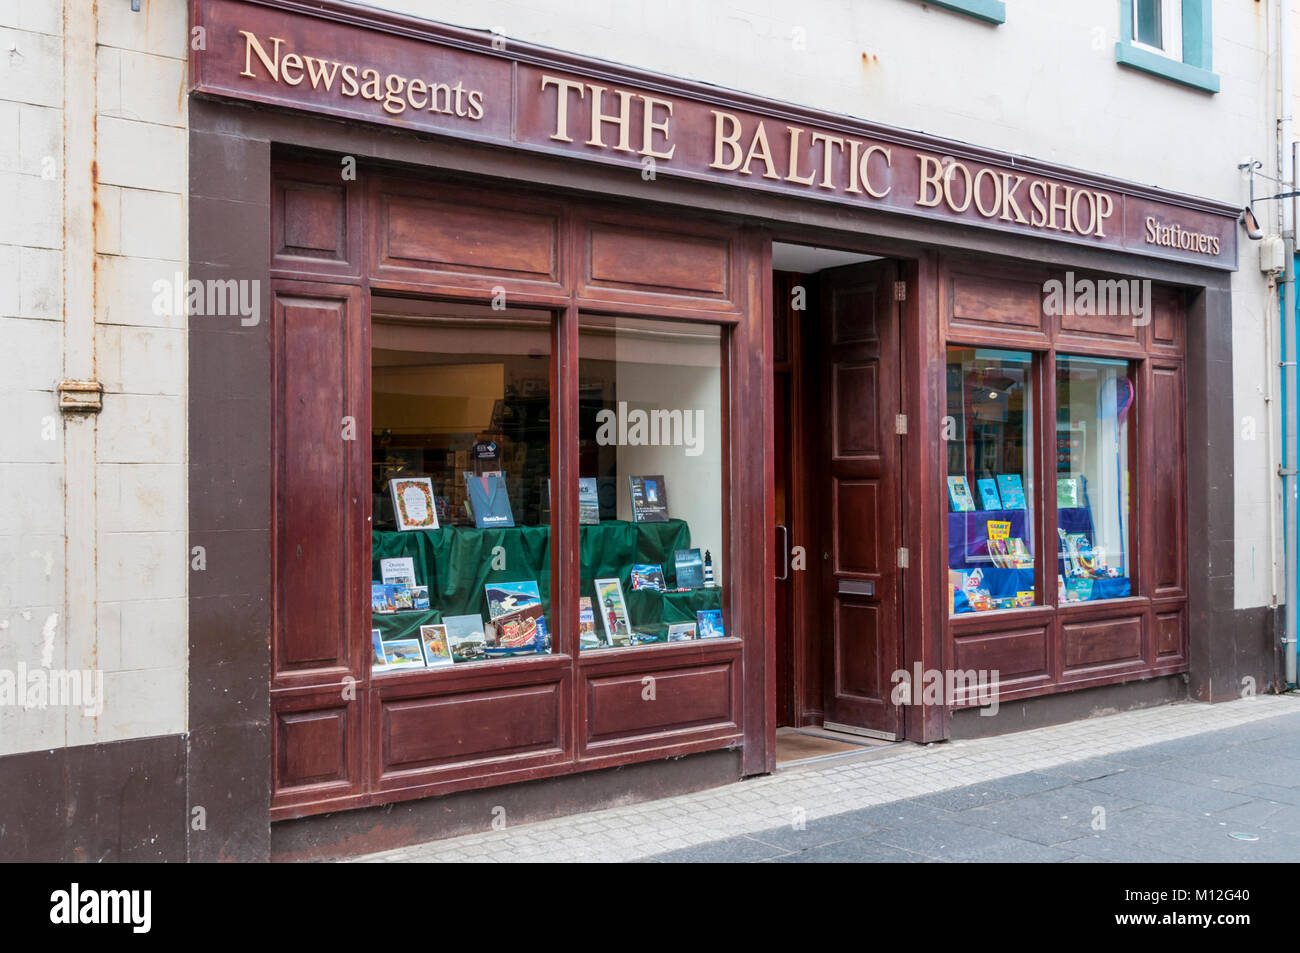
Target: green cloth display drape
[[455, 562]]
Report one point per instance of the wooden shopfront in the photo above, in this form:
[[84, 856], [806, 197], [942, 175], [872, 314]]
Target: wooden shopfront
[[487, 259]]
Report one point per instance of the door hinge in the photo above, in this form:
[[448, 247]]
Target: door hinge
[[900, 290], [900, 423], [902, 557]]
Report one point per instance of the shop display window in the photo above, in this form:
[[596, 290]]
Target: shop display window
[[1094, 477], [461, 458], [651, 490], [989, 434]]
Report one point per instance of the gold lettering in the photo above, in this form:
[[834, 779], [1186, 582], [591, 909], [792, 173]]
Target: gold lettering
[[372, 84], [251, 46], [417, 87], [1038, 197], [349, 79], [1092, 212], [1009, 199], [866, 174], [947, 187], [291, 61], [475, 104], [650, 127], [931, 172], [563, 88], [979, 192], [623, 120], [795, 133], [1105, 205], [760, 139], [1062, 206], [719, 140], [827, 155]]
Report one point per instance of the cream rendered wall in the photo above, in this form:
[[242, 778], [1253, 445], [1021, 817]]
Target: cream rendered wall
[[93, 510], [1044, 84]]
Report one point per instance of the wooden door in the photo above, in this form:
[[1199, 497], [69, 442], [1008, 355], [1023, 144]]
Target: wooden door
[[859, 459]]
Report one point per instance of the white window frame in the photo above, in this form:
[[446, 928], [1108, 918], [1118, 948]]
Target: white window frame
[[1171, 30]]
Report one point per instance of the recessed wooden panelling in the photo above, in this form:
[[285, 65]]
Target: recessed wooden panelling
[[1163, 494], [313, 221], [316, 379], [1168, 319], [1098, 306], [994, 301], [857, 503], [661, 263], [1086, 645], [471, 726], [629, 704], [859, 667], [1017, 655], [1168, 634], [439, 236], [853, 315], [313, 747], [856, 390]]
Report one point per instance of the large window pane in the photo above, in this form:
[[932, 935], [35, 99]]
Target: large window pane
[[461, 452], [651, 493], [1094, 477], [990, 488]]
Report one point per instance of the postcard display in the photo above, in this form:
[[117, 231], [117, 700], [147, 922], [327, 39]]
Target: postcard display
[[455, 564]]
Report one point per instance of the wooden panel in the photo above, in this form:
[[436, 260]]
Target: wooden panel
[[629, 704], [315, 744], [855, 388], [661, 262], [1087, 645], [995, 301], [491, 723], [1163, 491], [1100, 307], [1168, 319], [314, 221], [1017, 656], [856, 503], [853, 315], [860, 659], [1168, 636], [317, 333], [451, 237]]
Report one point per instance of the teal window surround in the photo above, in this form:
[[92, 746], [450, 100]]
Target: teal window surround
[[1195, 68], [990, 11]]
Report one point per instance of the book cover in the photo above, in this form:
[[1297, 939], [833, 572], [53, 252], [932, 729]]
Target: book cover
[[588, 502], [518, 630], [420, 597], [613, 612], [413, 503], [681, 631], [488, 500], [648, 576], [381, 598], [433, 642], [465, 637], [1012, 491], [377, 659], [690, 568], [959, 495], [403, 653], [402, 600], [1067, 494], [989, 499], [587, 637], [398, 571], [709, 622], [649, 499], [506, 597]]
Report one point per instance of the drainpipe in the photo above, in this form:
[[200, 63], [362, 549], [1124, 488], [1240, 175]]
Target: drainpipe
[[1286, 210]]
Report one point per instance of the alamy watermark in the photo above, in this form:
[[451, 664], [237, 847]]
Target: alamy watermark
[[43, 687], [951, 687], [211, 298], [1088, 297], [651, 428]]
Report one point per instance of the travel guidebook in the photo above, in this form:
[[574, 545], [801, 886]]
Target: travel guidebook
[[649, 499], [413, 503], [588, 502], [381, 599], [646, 576], [465, 637], [488, 501], [690, 568], [398, 571], [587, 637], [613, 612]]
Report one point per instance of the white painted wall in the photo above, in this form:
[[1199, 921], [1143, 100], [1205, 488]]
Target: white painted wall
[[93, 568]]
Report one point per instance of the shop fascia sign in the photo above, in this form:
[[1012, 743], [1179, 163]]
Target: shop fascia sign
[[345, 61]]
